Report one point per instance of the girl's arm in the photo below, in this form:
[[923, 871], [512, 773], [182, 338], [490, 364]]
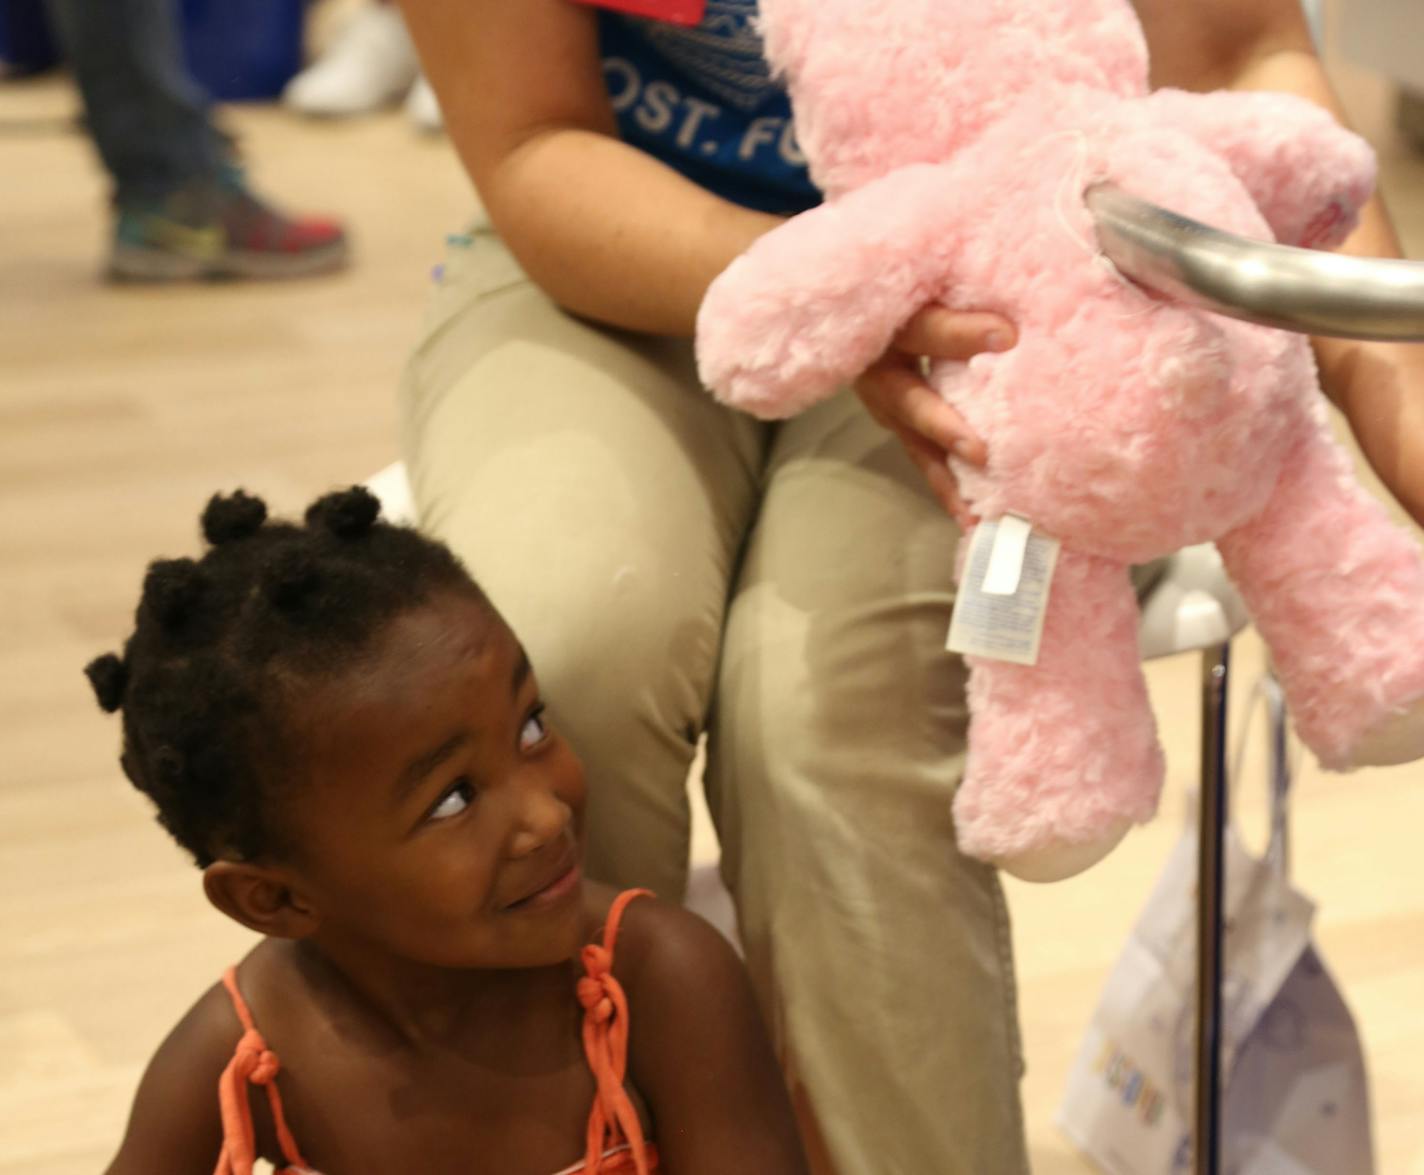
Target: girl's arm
[[606, 230], [175, 1126], [699, 1052]]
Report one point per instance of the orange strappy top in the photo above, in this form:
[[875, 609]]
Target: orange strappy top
[[615, 1143]]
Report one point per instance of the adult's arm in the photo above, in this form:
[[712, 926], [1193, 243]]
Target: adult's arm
[[1267, 45], [605, 229]]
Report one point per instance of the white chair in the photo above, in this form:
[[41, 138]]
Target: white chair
[[392, 487]]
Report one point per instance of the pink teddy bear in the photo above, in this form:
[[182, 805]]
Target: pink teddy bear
[[954, 141]]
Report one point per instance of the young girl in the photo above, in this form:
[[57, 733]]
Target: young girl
[[336, 723]]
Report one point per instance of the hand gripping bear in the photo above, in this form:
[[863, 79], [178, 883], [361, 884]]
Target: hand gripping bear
[[954, 141]]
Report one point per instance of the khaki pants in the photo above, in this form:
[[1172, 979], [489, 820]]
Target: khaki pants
[[672, 566]]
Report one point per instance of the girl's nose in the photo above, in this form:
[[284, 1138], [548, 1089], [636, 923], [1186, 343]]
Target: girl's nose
[[543, 818]]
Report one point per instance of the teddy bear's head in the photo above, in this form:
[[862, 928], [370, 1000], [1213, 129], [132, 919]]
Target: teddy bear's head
[[879, 85]]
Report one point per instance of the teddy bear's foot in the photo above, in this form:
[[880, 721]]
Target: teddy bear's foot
[[1059, 861], [1399, 739]]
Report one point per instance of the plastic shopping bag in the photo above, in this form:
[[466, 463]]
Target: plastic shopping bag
[[1295, 1089]]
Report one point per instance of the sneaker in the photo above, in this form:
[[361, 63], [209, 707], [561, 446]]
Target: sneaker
[[423, 108], [217, 230], [370, 63]]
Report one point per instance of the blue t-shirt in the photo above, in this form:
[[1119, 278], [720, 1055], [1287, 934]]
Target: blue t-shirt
[[702, 100]]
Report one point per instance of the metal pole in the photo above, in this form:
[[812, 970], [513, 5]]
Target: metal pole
[[1216, 664], [1296, 289]]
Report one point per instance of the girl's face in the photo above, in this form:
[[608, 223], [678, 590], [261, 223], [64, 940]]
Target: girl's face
[[441, 818]]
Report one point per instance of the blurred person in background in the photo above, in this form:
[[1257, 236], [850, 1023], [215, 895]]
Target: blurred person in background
[[182, 207], [370, 64]]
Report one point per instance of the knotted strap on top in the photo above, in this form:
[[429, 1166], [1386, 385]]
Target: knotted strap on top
[[613, 1120], [252, 1063]]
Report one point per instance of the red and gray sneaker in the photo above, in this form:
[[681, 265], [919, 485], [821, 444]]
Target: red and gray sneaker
[[219, 229]]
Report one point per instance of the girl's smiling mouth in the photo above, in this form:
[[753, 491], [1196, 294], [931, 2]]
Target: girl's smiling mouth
[[563, 884]]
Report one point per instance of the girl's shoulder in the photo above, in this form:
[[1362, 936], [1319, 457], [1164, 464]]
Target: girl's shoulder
[[176, 1123], [275, 987], [208, 1034], [663, 952], [694, 1026]]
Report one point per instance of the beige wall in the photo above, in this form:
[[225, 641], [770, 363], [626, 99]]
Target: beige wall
[[1382, 35]]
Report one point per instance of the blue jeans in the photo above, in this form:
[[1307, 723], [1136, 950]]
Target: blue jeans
[[148, 118]]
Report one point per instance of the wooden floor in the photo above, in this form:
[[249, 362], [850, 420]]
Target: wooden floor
[[122, 409]]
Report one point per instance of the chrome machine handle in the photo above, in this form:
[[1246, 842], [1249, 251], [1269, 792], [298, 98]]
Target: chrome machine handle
[[1303, 290]]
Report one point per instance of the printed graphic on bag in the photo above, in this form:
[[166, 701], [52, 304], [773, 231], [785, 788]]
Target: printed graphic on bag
[[1130, 1083]]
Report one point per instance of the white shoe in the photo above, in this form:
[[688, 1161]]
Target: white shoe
[[370, 63], [422, 107]]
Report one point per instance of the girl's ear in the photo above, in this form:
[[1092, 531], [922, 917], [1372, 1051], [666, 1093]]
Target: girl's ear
[[260, 897]]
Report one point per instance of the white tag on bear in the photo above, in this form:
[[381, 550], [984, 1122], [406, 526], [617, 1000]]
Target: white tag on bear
[[1003, 594]]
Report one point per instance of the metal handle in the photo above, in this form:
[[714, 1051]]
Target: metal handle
[[1303, 290]]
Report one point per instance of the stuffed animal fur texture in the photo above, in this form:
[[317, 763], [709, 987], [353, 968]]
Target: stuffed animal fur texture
[[954, 141]]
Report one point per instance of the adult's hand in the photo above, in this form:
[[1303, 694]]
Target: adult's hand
[[897, 397]]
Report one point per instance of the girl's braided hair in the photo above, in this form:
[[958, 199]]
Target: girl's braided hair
[[222, 645]]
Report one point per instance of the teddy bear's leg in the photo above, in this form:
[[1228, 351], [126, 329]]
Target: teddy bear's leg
[[1063, 755], [1336, 589]]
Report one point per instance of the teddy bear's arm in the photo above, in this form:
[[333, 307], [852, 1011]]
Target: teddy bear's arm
[[1308, 175], [815, 301]]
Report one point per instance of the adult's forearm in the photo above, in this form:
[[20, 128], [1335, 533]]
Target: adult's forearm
[[613, 234], [1380, 389]]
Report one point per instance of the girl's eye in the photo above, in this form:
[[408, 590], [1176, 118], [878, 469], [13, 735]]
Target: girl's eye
[[455, 801], [534, 731]]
